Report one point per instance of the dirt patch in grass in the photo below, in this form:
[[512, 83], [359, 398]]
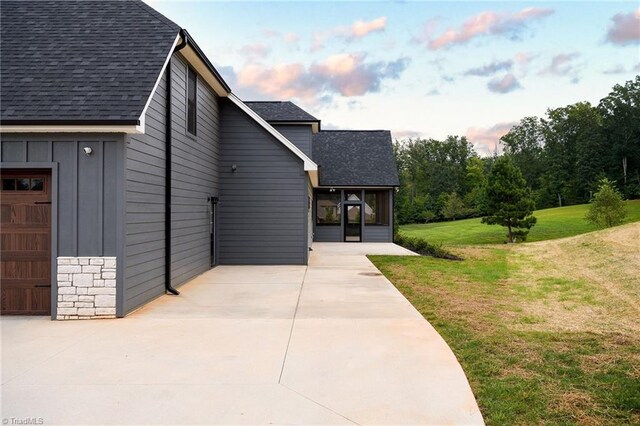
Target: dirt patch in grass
[[548, 333]]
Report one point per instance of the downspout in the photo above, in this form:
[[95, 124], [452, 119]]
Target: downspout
[[167, 179]]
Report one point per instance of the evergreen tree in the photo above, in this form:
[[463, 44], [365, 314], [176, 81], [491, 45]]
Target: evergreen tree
[[607, 208], [508, 200]]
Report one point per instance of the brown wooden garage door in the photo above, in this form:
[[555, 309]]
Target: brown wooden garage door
[[25, 271]]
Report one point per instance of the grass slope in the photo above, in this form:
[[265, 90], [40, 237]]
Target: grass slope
[[553, 223], [547, 332]]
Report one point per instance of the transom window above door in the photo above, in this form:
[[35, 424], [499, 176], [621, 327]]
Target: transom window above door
[[352, 195]]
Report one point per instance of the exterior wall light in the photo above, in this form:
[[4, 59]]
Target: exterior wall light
[[332, 190], [87, 150], [234, 168]]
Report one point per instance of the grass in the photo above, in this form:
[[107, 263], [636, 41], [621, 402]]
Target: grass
[[547, 333], [553, 223]]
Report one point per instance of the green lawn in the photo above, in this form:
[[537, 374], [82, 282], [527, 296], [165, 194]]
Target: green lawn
[[552, 223], [547, 333]]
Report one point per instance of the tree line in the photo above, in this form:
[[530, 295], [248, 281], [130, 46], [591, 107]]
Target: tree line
[[562, 156]]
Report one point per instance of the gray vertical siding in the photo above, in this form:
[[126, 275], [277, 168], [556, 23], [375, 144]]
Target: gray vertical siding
[[263, 204], [86, 188], [194, 178], [299, 135]]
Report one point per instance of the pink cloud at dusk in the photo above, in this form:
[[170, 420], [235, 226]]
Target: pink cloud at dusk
[[625, 28], [561, 65], [505, 84], [346, 74], [484, 24], [357, 30], [487, 140], [255, 50], [406, 134]]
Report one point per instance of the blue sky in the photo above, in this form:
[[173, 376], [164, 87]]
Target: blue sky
[[427, 69]]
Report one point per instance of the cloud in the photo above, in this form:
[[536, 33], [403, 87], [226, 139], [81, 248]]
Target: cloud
[[621, 69], [255, 50], [290, 38], [490, 69], [625, 28], [506, 84], [561, 65], [360, 28], [348, 75], [433, 92], [484, 24], [486, 141], [405, 134], [269, 33], [355, 31], [617, 69]]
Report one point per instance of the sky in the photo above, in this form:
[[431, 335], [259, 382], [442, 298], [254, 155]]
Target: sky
[[420, 69]]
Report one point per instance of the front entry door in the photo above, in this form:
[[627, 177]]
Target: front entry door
[[25, 266], [352, 224]]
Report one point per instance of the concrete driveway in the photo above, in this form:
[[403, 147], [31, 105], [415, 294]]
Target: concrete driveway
[[331, 343]]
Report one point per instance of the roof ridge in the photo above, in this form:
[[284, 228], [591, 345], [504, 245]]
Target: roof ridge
[[154, 13]]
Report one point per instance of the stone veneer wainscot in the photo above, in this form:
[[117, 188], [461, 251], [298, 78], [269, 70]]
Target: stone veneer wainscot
[[86, 287]]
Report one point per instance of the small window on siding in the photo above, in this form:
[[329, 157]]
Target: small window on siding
[[191, 101]]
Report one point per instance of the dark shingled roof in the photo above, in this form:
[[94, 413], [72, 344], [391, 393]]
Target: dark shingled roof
[[80, 61], [355, 158], [280, 111]]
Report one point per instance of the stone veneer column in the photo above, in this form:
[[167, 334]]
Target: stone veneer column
[[86, 287]]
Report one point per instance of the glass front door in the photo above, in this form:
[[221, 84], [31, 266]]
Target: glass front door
[[352, 224]]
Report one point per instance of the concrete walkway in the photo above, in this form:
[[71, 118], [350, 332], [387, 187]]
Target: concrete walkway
[[331, 343]]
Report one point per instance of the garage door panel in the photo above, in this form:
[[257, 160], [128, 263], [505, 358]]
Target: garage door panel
[[25, 242], [26, 301]]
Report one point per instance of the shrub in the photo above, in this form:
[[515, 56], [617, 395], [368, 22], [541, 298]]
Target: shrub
[[607, 208], [423, 247]]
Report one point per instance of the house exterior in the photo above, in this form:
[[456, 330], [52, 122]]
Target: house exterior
[[129, 166]]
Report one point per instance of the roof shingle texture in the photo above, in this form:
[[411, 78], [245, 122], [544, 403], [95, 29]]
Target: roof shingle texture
[[355, 158], [80, 60], [282, 111]]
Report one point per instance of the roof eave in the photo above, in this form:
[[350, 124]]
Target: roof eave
[[70, 126]]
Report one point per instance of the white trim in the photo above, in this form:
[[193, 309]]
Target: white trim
[[71, 129], [192, 58], [155, 86], [309, 165]]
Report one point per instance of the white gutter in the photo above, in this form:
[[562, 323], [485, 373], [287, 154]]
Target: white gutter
[[70, 128]]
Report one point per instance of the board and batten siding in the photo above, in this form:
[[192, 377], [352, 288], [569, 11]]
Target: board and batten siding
[[300, 135], [88, 192], [88, 185], [193, 179], [263, 204]]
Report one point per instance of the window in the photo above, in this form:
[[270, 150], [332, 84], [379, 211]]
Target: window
[[327, 208], [376, 208], [22, 184], [352, 195], [191, 101]]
